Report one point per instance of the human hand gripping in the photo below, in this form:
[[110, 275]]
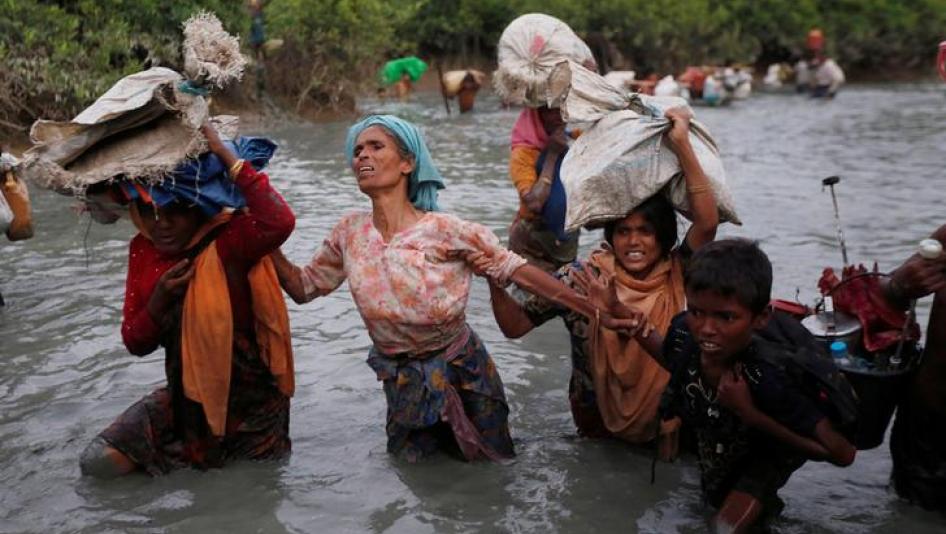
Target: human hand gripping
[[733, 393], [602, 293], [558, 140], [216, 145], [679, 133], [171, 286], [918, 277]]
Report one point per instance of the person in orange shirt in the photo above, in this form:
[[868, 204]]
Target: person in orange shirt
[[539, 142]]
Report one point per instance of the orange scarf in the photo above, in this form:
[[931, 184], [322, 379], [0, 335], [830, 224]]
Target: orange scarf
[[207, 327], [628, 381]]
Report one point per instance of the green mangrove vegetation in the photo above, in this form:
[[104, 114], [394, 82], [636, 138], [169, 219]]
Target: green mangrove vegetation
[[56, 56]]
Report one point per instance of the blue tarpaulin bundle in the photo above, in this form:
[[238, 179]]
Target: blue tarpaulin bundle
[[204, 181]]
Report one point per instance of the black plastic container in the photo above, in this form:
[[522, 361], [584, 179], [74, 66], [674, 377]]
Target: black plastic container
[[879, 392]]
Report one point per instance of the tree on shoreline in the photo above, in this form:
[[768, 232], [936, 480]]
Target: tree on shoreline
[[57, 56]]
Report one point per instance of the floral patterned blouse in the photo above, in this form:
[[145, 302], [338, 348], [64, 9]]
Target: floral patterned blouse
[[410, 291]]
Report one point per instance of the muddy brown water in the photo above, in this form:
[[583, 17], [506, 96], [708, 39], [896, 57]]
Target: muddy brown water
[[64, 374]]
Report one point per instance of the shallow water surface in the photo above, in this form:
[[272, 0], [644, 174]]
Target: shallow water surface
[[65, 375]]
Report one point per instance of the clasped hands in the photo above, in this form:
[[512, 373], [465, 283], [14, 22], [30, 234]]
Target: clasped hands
[[599, 292]]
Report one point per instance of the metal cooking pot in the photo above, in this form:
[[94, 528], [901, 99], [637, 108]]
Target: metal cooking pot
[[829, 327]]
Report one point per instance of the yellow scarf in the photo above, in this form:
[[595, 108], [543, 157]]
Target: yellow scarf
[[207, 327], [628, 381]]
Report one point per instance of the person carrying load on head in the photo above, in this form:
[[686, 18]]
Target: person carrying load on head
[[463, 84], [201, 285], [406, 267], [616, 383], [528, 50], [538, 145]]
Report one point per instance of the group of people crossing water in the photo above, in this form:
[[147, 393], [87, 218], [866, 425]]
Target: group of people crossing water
[[664, 344]]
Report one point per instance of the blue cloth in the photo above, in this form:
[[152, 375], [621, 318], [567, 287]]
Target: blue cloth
[[204, 181], [425, 181], [553, 212]]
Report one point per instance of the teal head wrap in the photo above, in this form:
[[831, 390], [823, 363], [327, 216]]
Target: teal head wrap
[[425, 181]]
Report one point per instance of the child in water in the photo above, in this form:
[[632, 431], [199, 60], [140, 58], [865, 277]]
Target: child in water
[[753, 427]]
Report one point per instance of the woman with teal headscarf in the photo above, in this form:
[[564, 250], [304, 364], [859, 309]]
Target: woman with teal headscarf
[[406, 267]]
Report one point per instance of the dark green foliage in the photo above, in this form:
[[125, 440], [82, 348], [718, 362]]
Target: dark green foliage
[[57, 56]]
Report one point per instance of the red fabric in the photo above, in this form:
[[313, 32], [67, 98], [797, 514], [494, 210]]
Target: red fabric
[[251, 234], [863, 298], [695, 77], [941, 61]]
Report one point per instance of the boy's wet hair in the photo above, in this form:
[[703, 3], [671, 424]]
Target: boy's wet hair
[[732, 267], [658, 211]]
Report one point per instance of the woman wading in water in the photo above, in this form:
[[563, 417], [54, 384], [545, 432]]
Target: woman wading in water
[[405, 266], [201, 285]]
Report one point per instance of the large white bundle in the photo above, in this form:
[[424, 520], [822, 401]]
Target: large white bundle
[[528, 50], [144, 126], [621, 160]]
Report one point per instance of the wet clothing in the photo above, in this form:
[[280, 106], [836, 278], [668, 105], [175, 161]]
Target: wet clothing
[[167, 429], [731, 455], [917, 445], [411, 291], [620, 375], [457, 386]]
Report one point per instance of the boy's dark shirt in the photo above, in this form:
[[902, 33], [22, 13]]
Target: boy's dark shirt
[[726, 447]]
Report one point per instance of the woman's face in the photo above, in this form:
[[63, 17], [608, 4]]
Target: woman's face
[[376, 161], [171, 227], [635, 245]]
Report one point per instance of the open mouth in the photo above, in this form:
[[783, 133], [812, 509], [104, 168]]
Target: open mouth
[[709, 346], [365, 170], [634, 255]]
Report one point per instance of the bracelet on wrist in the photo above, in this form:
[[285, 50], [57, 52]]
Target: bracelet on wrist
[[236, 168], [697, 189]]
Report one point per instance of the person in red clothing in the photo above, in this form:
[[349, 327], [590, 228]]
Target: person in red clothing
[[201, 284]]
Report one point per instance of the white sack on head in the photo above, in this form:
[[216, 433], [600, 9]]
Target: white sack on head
[[211, 55], [158, 126], [144, 126], [453, 80], [528, 50], [621, 160]]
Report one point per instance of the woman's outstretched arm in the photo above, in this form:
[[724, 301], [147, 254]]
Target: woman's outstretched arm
[[290, 277]]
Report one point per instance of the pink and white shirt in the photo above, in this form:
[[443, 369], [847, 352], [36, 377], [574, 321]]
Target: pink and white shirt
[[411, 291]]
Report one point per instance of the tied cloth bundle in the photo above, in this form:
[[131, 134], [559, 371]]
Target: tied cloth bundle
[[145, 125]]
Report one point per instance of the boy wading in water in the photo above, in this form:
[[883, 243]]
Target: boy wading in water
[[753, 427]]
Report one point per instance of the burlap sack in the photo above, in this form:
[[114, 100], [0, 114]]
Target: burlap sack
[[621, 158], [529, 48]]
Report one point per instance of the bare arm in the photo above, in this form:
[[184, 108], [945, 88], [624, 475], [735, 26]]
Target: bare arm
[[699, 190], [541, 283], [828, 444], [916, 277], [290, 277], [510, 316], [536, 197]]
